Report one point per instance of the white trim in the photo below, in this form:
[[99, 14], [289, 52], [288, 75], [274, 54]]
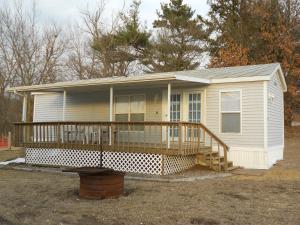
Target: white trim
[[97, 82], [281, 77], [240, 111], [111, 99], [205, 106], [192, 79], [169, 102], [111, 102], [240, 79], [64, 105], [24, 108], [45, 93], [168, 111], [265, 96], [34, 109]]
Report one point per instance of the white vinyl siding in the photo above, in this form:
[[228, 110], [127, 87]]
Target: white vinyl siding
[[252, 112], [89, 106], [48, 107], [275, 115]]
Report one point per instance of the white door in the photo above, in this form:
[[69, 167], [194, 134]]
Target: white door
[[193, 112], [175, 115], [194, 107]]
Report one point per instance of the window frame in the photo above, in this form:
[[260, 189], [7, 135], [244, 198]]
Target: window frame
[[221, 112]]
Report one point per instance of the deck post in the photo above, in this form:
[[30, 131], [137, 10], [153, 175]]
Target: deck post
[[64, 105], [24, 109], [168, 113], [64, 115], [111, 99]]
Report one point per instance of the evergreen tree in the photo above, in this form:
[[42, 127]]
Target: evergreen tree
[[178, 43], [120, 49]]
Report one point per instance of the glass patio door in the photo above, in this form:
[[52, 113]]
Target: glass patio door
[[174, 114], [194, 107], [194, 112]]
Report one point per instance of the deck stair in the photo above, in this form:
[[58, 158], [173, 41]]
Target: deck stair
[[213, 160]]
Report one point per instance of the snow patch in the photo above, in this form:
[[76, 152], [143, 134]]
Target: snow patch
[[17, 160]]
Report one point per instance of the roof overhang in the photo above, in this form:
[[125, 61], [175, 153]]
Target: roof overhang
[[146, 80], [281, 77], [133, 80], [255, 78]]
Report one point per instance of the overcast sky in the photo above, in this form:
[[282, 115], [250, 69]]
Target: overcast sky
[[68, 11]]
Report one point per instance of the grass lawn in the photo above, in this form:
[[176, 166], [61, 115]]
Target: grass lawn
[[270, 197]]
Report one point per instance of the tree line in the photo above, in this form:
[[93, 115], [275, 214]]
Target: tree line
[[235, 32]]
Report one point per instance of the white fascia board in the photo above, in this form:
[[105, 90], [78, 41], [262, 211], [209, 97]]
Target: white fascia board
[[240, 79], [43, 93], [281, 77], [192, 79], [94, 82]]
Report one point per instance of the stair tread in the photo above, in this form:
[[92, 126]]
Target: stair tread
[[232, 168], [223, 163]]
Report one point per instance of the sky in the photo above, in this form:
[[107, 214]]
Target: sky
[[69, 11]]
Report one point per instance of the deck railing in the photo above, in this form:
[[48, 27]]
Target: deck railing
[[171, 138]]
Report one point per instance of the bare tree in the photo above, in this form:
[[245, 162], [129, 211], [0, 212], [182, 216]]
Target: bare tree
[[110, 49], [30, 53], [82, 61]]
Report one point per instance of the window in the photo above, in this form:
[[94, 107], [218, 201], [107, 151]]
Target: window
[[130, 108], [231, 112]]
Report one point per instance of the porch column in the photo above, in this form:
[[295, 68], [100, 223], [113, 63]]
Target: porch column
[[168, 112], [24, 109], [111, 104], [64, 105]]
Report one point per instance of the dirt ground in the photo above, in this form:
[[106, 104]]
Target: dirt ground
[[261, 197]]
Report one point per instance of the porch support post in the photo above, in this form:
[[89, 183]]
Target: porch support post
[[24, 109], [168, 112], [64, 105], [111, 103]]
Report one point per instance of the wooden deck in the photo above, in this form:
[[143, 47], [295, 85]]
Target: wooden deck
[[167, 138]]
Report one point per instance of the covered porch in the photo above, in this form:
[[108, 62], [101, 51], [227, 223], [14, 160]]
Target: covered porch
[[160, 116]]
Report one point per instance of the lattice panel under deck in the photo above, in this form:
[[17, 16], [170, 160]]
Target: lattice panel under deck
[[121, 161], [62, 157], [174, 164], [133, 162]]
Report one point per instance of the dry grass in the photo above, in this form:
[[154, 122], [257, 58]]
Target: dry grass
[[271, 197], [6, 155]]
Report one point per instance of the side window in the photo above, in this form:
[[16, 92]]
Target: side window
[[230, 112]]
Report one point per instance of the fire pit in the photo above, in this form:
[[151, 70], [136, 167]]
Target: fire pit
[[99, 183]]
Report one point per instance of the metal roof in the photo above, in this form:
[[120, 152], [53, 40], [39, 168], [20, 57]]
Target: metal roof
[[204, 76], [231, 72]]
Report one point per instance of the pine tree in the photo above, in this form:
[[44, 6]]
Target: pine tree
[[120, 49], [178, 42]]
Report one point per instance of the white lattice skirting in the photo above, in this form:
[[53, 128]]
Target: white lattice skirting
[[121, 161]]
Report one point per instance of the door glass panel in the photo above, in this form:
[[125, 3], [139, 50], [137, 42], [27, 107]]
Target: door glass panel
[[194, 112], [194, 107], [174, 113]]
